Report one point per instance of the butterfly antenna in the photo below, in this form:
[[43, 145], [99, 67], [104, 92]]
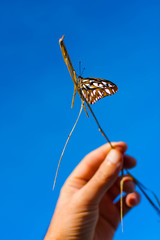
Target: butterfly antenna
[[77, 75], [66, 145]]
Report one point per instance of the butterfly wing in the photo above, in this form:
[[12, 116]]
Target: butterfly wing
[[94, 89]]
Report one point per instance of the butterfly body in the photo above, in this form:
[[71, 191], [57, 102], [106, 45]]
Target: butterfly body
[[94, 89]]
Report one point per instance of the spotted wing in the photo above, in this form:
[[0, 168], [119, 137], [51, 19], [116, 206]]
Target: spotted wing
[[94, 89]]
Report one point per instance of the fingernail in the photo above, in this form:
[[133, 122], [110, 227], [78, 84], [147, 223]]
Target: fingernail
[[121, 149], [114, 157]]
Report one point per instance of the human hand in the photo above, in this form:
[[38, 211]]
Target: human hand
[[86, 209]]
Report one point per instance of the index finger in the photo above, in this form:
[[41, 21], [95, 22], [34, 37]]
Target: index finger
[[92, 161]]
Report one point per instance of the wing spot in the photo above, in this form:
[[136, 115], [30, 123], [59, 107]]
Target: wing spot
[[108, 91], [95, 84], [99, 92], [104, 83]]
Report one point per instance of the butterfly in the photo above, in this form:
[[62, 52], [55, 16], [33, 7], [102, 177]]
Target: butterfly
[[93, 89]]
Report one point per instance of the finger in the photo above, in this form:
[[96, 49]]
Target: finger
[[129, 201], [90, 164], [129, 162], [114, 191], [105, 176], [128, 187]]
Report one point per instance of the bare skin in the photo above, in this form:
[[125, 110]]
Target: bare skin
[[86, 209]]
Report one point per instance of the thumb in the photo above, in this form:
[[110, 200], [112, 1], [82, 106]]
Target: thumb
[[105, 175]]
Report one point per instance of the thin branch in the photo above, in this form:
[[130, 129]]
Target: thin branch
[[74, 78], [100, 129], [66, 145], [143, 188]]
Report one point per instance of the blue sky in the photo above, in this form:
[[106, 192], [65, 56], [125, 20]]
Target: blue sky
[[116, 40]]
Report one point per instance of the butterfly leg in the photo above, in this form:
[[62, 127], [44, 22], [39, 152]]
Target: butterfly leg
[[74, 94], [85, 108]]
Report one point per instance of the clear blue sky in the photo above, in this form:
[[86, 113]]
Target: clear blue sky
[[116, 40]]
